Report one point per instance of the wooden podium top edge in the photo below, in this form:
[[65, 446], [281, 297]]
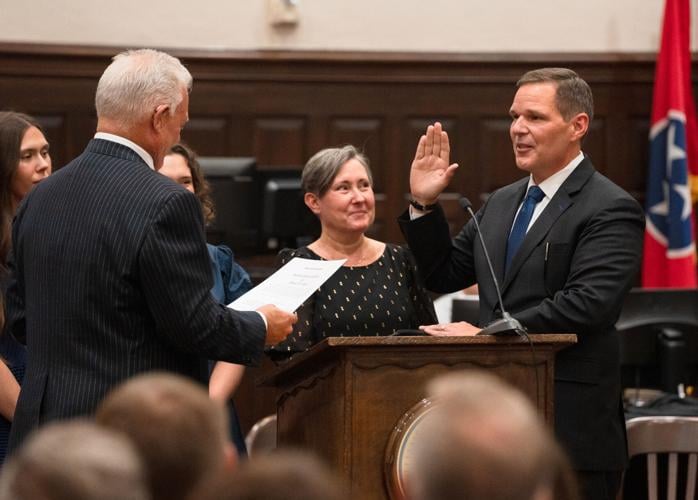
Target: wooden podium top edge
[[562, 339], [554, 341]]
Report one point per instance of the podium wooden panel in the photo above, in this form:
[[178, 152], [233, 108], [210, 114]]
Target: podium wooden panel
[[343, 397]]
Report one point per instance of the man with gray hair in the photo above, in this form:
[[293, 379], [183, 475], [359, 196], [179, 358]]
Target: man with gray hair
[[75, 460], [484, 439], [111, 276]]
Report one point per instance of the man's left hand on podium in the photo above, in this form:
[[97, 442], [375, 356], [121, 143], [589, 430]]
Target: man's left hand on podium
[[459, 329]]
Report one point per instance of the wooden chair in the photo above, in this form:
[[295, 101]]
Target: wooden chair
[[651, 436], [262, 436]]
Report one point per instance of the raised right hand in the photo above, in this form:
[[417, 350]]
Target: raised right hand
[[431, 172], [279, 323]]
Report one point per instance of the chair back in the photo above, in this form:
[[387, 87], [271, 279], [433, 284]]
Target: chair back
[[651, 436], [262, 436]]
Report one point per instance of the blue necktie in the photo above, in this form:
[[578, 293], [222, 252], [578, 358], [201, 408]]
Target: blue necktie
[[523, 219]]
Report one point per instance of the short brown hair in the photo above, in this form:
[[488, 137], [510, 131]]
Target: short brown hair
[[573, 93], [284, 474], [180, 432], [322, 168]]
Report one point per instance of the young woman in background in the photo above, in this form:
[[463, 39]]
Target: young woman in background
[[24, 161]]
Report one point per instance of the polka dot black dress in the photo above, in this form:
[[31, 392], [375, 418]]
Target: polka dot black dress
[[370, 300]]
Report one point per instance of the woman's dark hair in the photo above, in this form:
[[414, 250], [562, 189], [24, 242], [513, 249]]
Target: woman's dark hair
[[13, 126], [201, 187]]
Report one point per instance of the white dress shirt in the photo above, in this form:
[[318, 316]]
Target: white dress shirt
[[129, 144]]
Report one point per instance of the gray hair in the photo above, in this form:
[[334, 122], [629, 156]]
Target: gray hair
[[323, 167], [76, 460], [476, 421], [573, 94], [136, 82]]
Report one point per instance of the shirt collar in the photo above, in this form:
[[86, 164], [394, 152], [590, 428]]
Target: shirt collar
[[550, 185], [105, 136]]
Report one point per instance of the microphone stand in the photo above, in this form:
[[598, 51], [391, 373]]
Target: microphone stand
[[506, 325]]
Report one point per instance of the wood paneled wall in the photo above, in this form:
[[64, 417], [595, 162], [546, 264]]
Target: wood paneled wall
[[282, 107]]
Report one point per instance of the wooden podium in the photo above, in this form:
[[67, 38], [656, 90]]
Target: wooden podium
[[343, 398]]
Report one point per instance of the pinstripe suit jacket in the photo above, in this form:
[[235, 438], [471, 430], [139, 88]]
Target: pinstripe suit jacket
[[111, 277]]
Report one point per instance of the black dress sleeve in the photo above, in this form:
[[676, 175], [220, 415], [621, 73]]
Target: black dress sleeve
[[421, 300]]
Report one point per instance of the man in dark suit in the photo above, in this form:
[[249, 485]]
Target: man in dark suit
[[111, 276], [566, 245]]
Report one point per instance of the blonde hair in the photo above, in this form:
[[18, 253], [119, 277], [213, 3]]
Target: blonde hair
[[76, 460]]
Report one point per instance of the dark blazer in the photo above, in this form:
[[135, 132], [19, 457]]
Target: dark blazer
[[112, 278], [573, 269]]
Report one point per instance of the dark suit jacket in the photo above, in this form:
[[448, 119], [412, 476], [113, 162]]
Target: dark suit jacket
[[573, 269], [112, 278]]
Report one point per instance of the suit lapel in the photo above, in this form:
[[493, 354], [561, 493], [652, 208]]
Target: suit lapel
[[562, 200], [506, 205]]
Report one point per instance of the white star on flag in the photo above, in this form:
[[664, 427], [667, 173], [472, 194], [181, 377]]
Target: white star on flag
[[674, 152], [684, 192], [662, 208]]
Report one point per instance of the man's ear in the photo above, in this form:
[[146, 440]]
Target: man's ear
[[580, 126], [312, 201], [159, 116]]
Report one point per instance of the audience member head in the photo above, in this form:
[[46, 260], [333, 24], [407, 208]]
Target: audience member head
[[24, 161], [182, 166], [486, 441], [74, 460], [143, 95], [281, 475], [338, 187], [180, 432]]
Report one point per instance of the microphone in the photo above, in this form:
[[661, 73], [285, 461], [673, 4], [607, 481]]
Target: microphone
[[506, 325]]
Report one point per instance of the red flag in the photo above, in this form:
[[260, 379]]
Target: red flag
[[669, 254]]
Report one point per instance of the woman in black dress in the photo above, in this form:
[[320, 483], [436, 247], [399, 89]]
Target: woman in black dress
[[378, 290], [24, 161]]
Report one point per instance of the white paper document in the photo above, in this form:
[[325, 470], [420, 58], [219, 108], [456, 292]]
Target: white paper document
[[290, 286]]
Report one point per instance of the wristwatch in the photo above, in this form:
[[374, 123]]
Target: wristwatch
[[421, 207]]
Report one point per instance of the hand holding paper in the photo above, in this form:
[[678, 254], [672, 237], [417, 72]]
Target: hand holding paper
[[289, 286], [279, 323]]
